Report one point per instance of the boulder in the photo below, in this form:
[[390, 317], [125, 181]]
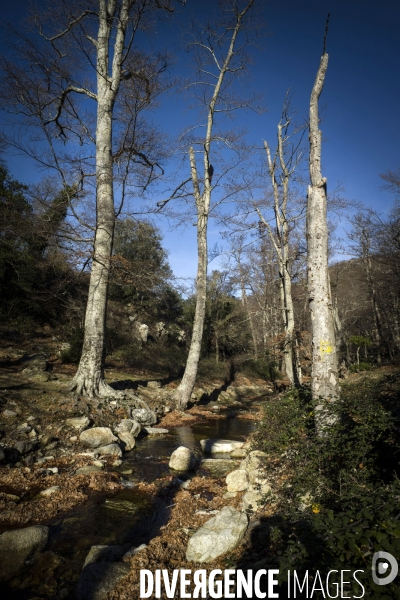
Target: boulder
[[145, 416], [128, 426], [127, 439], [182, 459], [219, 446], [79, 423], [110, 450], [17, 546], [9, 413], [51, 490], [239, 453], [143, 332], [253, 461], [100, 578], [220, 534], [97, 436], [237, 481]]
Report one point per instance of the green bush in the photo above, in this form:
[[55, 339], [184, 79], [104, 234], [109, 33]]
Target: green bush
[[363, 366], [341, 502]]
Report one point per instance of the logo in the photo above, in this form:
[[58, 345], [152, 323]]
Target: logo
[[380, 566]]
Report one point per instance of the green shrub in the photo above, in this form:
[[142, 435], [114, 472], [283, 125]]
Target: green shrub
[[341, 502], [363, 366]]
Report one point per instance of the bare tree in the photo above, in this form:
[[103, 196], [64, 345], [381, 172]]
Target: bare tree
[[84, 90], [281, 168], [324, 384], [220, 56]]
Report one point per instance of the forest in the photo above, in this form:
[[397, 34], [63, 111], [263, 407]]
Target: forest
[[283, 345]]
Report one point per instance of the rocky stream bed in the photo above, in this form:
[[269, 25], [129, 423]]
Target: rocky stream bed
[[88, 497]]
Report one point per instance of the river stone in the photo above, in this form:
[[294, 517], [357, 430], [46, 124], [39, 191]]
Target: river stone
[[24, 446], [220, 534], [253, 461], [182, 459], [216, 446], [155, 430], [9, 413], [19, 545], [79, 423], [251, 500], [98, 579], [239, 453], [145, 416], [109, 449], [127, 439], [130, 426], [237, 481], [97, 436], [103, 554], [51, 490], [87, 469]]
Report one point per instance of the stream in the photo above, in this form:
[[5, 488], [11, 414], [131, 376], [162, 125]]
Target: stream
[[127, 518]]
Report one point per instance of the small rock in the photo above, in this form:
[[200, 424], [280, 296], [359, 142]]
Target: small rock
[[19, 545], [109, 450], [129, 426], [117, 463], [182, 459], [127, 440], [127, 472], [73, 438], [98, 463], [97, 436], [51, 490], [217, 446], [9, 413], [237, 481], [155, 430], [87, 469], [219, 535], [251, 500], [229, 495], [31, 418], [239, 453], [32, 435], [79, 423], [24, 446], [145, 416]]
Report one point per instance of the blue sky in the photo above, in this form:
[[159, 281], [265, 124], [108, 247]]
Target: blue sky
[[361, 119]]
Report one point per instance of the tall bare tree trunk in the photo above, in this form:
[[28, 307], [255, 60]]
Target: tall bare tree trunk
[[89, 378], [184, 391], [324, 383]]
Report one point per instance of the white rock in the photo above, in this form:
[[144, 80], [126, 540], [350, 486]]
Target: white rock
[[97, 436], [182, 459], [251, 500], [237, 481], [51, 490], [216, 446], [127, 439], [220, 534], [109, 450], [79, 423]]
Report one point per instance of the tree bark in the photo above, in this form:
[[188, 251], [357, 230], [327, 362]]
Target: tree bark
[[324, 375], [89, 378]]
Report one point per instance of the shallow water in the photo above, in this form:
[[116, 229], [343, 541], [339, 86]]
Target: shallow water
[[128, 518]]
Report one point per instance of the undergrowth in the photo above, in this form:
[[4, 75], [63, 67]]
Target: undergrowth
[[340, 502]]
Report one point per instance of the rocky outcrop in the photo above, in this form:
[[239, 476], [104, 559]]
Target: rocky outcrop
[[145, 416], [220, 534], [17, 546]]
